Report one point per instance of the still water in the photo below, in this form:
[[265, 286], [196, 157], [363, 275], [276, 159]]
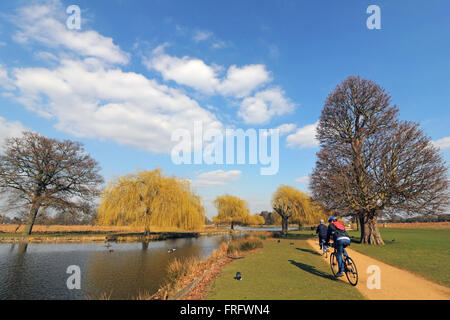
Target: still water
[[131, 268]]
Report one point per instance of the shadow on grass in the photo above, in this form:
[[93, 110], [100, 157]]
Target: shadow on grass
[[309, 251], [312, 270], [292, 236]]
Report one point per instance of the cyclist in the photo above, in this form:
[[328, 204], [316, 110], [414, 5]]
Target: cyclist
[[322, 232], [341, 240]]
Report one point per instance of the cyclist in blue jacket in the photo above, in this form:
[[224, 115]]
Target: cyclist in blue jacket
[[322, 232]]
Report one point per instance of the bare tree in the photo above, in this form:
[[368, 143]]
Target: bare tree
[[371, 162], [40, 173]]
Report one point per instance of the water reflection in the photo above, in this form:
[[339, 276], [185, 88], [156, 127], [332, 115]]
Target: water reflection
[[38, 271]]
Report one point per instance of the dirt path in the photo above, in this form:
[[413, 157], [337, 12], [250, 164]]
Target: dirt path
[[396, 284]]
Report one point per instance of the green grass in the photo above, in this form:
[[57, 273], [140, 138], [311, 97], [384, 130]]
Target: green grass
[[423, 251], [281, 271]]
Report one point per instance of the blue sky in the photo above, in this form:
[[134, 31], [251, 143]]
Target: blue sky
[[138, 70]]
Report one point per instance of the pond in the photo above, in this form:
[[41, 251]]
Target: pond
[[121, 271]]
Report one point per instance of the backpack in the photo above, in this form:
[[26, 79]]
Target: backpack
[[339, 225]]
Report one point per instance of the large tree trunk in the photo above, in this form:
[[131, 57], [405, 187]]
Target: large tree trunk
[[284, 225], [31, 219], [370, 234]]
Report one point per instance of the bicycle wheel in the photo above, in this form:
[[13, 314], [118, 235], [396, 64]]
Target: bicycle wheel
[[334, 264], [351, 272]]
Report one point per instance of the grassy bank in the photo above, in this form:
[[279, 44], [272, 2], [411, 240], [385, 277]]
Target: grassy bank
[[425, 251], [183, 276], [281, 271]]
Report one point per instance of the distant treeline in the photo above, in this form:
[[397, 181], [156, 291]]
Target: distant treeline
[[270, 218], [61, 218], [427, 218]]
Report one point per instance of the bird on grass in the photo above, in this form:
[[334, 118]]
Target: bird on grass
[[238, 276], [171, 250]]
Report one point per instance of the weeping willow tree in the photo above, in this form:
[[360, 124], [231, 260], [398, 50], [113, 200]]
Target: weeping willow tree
[[150, 199], [231, 210], [256, 219], [294, 206]]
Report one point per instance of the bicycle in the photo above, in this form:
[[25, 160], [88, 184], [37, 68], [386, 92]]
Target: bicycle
[[351, 272], [324, 249]]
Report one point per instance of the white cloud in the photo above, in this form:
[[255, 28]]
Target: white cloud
[[304, 137], [89, 100], [219, 44], [216, 178], [46, 56], [200, 35], [286, 128], [264, 105], [5, 80], [240, 82], [304, 179], [195, 73], [10, 129], [186, 71], [41, 23], [443, 143]]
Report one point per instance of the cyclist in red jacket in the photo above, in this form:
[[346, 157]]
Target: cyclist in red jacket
[[341, 241]]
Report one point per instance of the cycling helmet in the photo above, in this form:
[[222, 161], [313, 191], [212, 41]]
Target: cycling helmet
[[332, 218]]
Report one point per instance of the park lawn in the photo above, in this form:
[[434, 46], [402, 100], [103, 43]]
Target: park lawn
[[423, 251], [281, 271]]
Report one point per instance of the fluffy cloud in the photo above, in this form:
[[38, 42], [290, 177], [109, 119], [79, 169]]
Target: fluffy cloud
[[192, 72], [40, 23], [443, 143], [264, 105], [304, 137], [286, 128], [237, 82], [89, 100], [10, 129], [186, 71], [216, 178], [240, 82]]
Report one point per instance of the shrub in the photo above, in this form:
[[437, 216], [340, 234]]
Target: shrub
[[181, 268], [244, 244]]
